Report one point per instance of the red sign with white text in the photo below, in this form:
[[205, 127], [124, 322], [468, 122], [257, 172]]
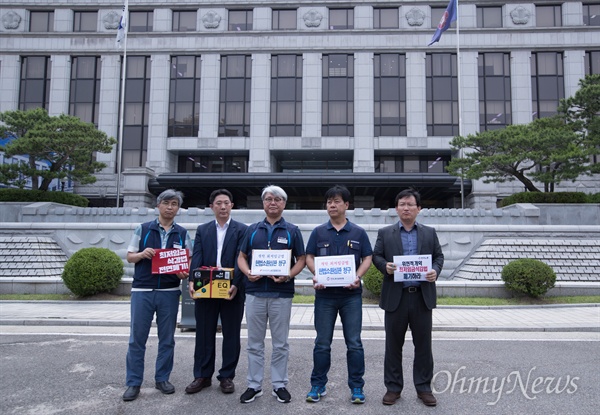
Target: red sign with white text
[[170, 261]]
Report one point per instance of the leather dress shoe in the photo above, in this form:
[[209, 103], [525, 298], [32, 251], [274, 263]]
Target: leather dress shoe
[[165, 387], [427, 398], [131, 393], [227, 385], [197, 385], [390, 397]]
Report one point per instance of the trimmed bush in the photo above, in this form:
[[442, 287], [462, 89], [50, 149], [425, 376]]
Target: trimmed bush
[[594, 198], [23, 195], [93, 270], [528, 276], [539, 197], [373, 279]]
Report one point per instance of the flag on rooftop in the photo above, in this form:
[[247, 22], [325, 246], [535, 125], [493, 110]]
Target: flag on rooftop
[[122, 29], [448, 17]]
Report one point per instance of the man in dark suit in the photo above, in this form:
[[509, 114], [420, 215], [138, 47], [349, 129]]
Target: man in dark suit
[[217, 244], [408, 303]]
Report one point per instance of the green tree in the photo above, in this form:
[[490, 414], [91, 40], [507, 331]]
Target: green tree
[[546, 151], [582, 113], [64, 142]]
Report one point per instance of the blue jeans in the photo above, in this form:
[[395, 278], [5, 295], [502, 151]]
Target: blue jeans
[[143, 306], [350, 311]]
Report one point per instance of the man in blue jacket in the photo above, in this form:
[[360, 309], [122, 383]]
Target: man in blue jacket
[[269, 297], [217, 244], [337, 237], [154, 294]]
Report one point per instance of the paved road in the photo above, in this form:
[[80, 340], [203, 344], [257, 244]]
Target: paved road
[[80, 370]]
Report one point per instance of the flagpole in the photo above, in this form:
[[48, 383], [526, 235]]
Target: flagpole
[[460, 123], [122, 106]]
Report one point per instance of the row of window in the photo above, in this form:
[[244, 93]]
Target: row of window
[[547, 83], [299, 163], [286, 19]]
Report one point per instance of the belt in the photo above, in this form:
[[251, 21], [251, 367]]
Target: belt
[[412, 289]]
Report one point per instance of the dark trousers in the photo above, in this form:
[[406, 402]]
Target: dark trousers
[[207, 313], [411, 312]]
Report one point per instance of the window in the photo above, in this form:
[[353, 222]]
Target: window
[[85, 21], [592, 62], [84, 99], [494, 91], [489, 17], [436, 16], [340, 19], [434, 163], [184, 20], [338, 95], [284, 20], [286, 95], [137, 108], [591, 14], [442, 94], [548, 16], [41, 21], [547, 83], [35, 82], [385, 18], [390, 95], [240, 20], [141, 21], [215, 163], [234, 96], [184, 96]]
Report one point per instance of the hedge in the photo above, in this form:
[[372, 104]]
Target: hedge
[[23, 195]]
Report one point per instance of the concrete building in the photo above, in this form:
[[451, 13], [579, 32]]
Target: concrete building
[[244, 93]]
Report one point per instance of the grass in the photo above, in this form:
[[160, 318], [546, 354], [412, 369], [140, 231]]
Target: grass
[[310, 299]]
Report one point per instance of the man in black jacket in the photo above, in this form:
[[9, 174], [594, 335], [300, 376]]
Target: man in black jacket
[[408, 303], [217, 244]]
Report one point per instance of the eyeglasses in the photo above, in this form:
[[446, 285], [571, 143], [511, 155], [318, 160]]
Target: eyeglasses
[[273, 199], [410, 205]]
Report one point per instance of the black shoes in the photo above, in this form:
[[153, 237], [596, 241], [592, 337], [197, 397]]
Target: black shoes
[[165, 387], [250, 395], [131, 393], [197, 385]]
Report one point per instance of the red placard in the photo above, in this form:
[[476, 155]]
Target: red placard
[[170, 261]]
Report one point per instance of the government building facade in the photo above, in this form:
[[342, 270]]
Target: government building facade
[[241, 94]]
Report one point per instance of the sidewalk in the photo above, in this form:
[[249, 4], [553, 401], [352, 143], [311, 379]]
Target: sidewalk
[[580, 317]]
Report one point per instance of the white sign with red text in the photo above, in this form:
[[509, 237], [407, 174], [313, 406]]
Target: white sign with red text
[[335, 271]]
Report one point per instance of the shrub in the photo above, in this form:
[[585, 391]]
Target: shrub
[[92, 270], [23, 195], [539, 197], [528, 276], [594, 198], [373, 280]]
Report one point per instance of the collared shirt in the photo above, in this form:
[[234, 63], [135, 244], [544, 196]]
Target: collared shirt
[[221, 231], [134, 244], [410, 246]]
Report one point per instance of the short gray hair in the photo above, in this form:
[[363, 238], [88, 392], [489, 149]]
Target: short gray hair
[[170, 194], [275, 191]]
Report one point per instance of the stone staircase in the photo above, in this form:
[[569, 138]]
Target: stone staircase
[[30, 256]]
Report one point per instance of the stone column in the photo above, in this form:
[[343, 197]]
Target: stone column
[[363, 113], [209, 96], [158, 158], [574, 70], [520, 81], [312, 94], [259, 158], [416, 108], [135, 187], [9, 82], [60, 85], [469, 84]]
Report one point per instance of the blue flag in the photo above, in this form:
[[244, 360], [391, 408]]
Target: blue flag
[[448, 17]]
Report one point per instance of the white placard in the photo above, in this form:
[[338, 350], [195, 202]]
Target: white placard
[[411, 267], [268, 262], [335, 271]]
